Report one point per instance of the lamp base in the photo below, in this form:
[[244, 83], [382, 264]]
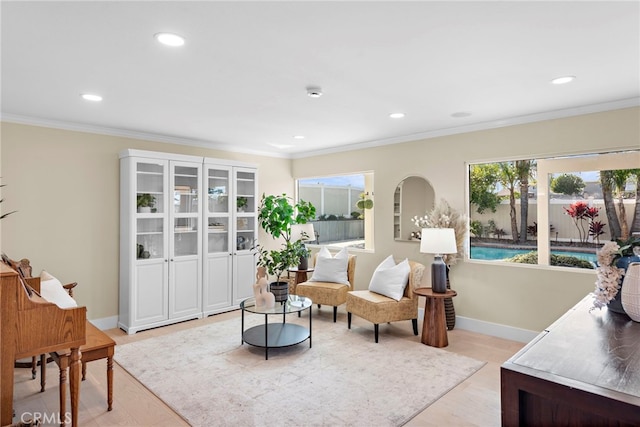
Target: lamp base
[[438, 275]]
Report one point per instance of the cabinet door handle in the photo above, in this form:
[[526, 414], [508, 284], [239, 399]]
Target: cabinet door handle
[[166, 260]]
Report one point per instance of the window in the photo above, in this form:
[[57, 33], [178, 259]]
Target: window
[[344, 208], [554, 211]]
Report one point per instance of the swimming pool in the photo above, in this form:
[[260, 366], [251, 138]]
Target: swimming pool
[[493, 254]]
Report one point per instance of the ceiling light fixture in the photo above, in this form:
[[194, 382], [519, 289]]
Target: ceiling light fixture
[[281, 146], [563, 80], [169, 39], [298, 137], [314, 92], [91, 97], [396, 115]]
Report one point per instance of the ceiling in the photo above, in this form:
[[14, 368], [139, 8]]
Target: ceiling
[[239, 82]]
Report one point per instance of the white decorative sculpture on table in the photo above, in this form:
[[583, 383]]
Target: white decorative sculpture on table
[[263, 297]]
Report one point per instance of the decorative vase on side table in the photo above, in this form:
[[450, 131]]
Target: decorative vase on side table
[[631, 292], [616, 304]]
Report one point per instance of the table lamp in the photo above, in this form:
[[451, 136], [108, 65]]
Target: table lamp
[[305, 233], [438, 241]]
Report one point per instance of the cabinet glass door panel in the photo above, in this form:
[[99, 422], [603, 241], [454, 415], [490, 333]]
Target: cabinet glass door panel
[[150, 187], [218, 190], [185, 189], [246, 191], [218, 234], [246, 204], [245, 232], [149, 238], [185, 236]]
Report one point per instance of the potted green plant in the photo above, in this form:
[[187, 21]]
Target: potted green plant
[[276, 215], [241, 203], [145, 202], [8, 213]]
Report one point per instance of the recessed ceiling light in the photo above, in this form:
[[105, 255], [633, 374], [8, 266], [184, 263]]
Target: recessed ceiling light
[[563, 80], [460, 114], [281, 146], [91, 97], [298, 137], [314, 92], [396, 115], [170, 39]]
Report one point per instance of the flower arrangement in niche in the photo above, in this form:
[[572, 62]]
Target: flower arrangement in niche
[[444, 216], [608, 275]]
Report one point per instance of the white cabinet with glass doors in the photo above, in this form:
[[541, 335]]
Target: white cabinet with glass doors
[[161, 239], [231, 225]]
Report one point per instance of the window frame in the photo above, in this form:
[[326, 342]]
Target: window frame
[[576, 162], [369, 217]]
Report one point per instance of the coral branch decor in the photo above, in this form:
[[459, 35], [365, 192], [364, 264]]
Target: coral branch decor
[[608, 275]]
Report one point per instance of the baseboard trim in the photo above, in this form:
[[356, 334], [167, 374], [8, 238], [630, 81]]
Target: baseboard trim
[[493, 329], [105, 322]]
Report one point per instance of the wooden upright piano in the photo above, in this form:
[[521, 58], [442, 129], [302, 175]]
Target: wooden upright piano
[[30, 326]]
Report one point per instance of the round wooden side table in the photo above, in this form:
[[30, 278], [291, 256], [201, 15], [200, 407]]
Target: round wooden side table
[[301, 275], [434, 325]]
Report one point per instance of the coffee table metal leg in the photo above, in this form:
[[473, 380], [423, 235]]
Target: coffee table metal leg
[[310, 326], [266, 338], [242, 328]]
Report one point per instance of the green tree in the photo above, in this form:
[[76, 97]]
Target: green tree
[[568, 184], [524, 170], [606, 182], [482, 186], [635, 223], [509, 179], [619, 178]]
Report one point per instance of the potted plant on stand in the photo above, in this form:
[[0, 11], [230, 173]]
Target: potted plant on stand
[[276, 215], [145, 202]]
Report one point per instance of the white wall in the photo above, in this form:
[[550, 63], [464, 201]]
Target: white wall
[[65, 186], [519, 296]]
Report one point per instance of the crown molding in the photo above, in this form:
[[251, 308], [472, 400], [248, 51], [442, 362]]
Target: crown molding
[[146, 136], [211, 145]]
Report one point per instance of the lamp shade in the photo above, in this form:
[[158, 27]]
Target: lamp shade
[[304, 232], [438, 241]]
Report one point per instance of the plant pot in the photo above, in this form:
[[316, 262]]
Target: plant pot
[[144, 209], [280, 290], [615, 304], [631, 292], [304, 263]]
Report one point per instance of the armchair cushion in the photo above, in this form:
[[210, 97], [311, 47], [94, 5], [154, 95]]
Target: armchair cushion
[[331, 269], [390, 279], [51, 289]]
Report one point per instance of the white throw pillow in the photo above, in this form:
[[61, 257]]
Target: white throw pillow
[[51, 289], [331, 268], [390, 279]]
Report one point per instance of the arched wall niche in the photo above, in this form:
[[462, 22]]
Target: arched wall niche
[[414, 196]]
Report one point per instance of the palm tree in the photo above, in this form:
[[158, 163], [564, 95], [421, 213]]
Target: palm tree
[[635, 223], [606, 182], [524, 170], [509, 178], [619, 179]]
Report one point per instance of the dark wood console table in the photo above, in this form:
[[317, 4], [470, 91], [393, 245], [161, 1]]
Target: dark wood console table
[[582, 370]]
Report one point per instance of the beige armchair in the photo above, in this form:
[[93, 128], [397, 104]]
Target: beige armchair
[[329, 293], [378, 308]]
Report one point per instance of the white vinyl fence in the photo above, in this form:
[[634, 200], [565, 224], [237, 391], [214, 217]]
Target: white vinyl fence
[[564, 229]]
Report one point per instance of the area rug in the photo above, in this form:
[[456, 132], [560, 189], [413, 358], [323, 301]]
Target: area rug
[[208, 377]]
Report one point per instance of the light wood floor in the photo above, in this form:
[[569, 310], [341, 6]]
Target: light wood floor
[[475, 402]]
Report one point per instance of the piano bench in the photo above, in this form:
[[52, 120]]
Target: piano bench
[[98, 346]]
